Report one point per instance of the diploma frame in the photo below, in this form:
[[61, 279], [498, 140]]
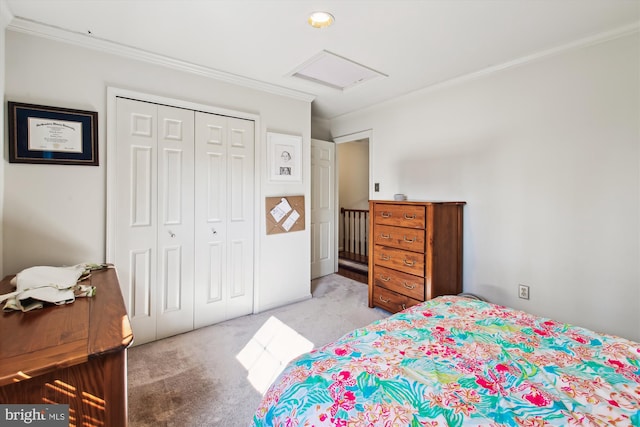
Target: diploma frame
[[51, 135]]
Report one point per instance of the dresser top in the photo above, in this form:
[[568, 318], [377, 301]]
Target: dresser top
[[421, 202], [43, 340]]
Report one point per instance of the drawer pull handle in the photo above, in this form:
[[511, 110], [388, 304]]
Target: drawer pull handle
[[404, 307], [385, 257], [407, 216], [386, 301], [385, 214], [409, 286], [385, 278], [409, 240], [409, 263], [385, 236]]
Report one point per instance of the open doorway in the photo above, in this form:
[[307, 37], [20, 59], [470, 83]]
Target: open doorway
[[352, 155]]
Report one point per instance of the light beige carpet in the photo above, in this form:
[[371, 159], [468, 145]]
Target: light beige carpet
[[211, 376]]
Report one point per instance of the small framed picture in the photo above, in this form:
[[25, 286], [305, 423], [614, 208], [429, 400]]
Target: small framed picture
[[285, 157], [52, 135]]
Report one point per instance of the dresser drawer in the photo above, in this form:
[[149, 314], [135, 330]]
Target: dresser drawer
[[391, 301], [397, 259], [400, 215], [397, 281], [411, 239]]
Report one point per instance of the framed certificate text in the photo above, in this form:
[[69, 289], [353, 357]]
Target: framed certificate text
[[41, 134]]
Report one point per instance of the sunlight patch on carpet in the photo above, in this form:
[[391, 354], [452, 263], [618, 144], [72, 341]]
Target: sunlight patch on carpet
[[270, 349]]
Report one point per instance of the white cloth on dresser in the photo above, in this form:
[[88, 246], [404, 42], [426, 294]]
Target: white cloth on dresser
[[43, 284]]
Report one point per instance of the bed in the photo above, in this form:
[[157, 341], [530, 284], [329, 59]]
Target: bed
[[456, 361]]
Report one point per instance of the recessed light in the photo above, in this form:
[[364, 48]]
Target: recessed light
[[320, 19]]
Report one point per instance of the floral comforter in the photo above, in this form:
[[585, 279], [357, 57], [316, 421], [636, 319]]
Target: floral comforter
[[454, 361]]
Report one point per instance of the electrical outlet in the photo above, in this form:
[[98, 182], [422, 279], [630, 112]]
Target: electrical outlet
[[523, 291]]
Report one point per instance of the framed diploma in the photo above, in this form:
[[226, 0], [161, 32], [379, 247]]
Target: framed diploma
[[51, 135]]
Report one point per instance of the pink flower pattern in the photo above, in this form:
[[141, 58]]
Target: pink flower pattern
[[453, 361]]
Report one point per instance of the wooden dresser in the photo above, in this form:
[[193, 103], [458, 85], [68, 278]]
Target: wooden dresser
[[415, 252], [71, 354]]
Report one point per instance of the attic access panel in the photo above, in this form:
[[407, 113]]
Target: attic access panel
[[332, 70]]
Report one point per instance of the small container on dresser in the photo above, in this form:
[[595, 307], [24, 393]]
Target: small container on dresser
[[415, 252]]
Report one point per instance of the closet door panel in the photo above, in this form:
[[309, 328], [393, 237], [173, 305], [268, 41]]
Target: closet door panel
[[140, 279], [172, 279], [214, 280], [175, 218], [240, 225], [241, 177], [172, 206], [224, 217], [211, 196], [240, 301], [238, 188], [238, 283], [135, 213], [215, 177], [141, 186]]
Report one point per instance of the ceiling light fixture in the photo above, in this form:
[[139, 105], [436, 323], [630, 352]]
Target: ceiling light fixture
[[320, 19]]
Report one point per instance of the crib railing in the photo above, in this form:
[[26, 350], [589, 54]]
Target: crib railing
[[355, 231]]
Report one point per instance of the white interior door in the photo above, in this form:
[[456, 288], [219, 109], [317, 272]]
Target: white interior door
[[323, 244], [154, 217], [175, 221], [224, 189], [135, 218]]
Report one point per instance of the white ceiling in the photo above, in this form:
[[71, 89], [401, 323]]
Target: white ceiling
[[417, 44]]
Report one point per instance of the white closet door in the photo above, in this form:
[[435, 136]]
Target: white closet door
[[135, 219], [240, 232], [154, 217], [175, 221], [224, 188]]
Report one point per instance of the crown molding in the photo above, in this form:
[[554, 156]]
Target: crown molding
[[577, 44], [616, 33], [5, 14], [79, 39]]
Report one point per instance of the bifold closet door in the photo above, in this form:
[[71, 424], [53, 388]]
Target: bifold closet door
[[154, 217], [224, 218]]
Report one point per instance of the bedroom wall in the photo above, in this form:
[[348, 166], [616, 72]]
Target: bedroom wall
[[320, 129], [547, 157], [5, 17], [55, 215]]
